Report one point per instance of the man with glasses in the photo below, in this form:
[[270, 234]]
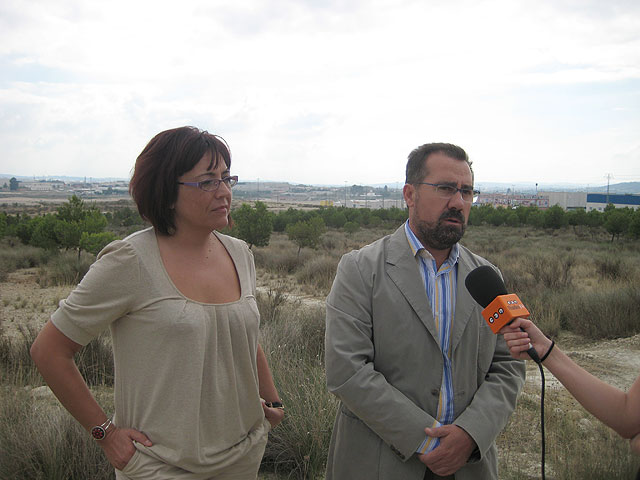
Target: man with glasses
[[425, 387]]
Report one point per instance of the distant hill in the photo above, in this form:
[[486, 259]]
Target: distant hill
[[624, 187]]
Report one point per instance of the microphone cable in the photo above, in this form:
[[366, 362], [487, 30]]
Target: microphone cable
[[542, 417]]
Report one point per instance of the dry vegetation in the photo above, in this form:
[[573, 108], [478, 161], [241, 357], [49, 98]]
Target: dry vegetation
[[584, 292]]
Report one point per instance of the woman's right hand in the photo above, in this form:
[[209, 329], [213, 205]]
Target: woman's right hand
[[118, 445], [519, 341]]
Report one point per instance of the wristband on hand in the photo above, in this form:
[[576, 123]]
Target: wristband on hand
[[544, 357]]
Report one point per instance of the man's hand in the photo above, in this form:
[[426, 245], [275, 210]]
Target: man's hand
[[118, 445], [454, 450]]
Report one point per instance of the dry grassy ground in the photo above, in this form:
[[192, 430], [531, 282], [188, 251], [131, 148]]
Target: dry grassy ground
[[23, 301]]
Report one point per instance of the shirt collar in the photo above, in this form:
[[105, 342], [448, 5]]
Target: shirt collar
[[418, 249]]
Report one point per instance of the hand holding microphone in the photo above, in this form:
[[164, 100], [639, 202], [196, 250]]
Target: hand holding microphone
[[521, 334], [500, 308]]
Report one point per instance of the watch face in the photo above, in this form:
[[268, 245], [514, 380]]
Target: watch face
[[98, 433]]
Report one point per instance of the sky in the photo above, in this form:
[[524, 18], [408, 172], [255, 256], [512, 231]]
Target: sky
[[325, 92]]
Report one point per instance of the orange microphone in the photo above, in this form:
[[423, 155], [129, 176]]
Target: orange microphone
[[503, 310], [500, 308]]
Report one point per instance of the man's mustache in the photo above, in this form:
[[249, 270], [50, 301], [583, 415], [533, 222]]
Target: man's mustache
[[452, 214]]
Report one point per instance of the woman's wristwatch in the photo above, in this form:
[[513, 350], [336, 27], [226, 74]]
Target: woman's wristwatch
[[100, 431], [278, 405]]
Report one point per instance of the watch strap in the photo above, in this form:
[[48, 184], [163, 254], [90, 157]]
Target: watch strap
[[99, 432]]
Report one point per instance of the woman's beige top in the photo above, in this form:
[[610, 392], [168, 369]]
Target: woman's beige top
[[185, 371]]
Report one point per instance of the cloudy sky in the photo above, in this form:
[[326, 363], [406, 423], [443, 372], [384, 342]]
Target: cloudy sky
[[325, 91]]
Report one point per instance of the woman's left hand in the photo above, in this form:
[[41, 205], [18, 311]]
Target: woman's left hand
[[635, 444], [274, 415]]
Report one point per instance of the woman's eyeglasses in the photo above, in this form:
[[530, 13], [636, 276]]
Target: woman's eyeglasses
[[213, 184]]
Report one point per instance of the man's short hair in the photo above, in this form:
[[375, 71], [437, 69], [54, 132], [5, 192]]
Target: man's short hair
[[417, 166]]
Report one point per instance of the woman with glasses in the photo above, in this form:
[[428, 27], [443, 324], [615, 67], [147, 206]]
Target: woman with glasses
[[194, 396]]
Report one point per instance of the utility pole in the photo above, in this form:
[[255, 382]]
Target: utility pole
[[608, 176], [345, 194]]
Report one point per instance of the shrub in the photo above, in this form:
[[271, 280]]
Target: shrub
[[294, 346], [14, 257], [95, 361], [270, 303], [44, 442], [319, 273], [351, 227], [553, 273], [16, 366], [605, 313], [65, 269], [610, 268]]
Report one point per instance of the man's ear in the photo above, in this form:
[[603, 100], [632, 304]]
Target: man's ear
[[409, 192]]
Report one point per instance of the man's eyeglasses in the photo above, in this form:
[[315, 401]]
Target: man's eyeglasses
[[448, 191], [213, 184]]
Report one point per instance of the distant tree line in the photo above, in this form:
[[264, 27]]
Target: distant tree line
[[254, 224], [76, 225], [615, 221]]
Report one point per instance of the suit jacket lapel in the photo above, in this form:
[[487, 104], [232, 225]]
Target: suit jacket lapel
[[465, 304], [402, 269]]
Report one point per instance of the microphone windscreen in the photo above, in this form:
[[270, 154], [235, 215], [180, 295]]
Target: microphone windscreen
[[484, 285]]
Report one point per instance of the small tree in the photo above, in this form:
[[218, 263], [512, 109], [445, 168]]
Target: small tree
[[75, 219], [554, 217], [254, 225], [13, 184], [307, 233], [351, 227], [43, 234], [617, 222], [3, 224], [634, 224]]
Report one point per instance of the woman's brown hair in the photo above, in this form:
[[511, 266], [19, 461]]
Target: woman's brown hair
[[167, 156]]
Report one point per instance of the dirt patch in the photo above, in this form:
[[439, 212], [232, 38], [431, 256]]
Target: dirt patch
[[23, 301], [616, 361]]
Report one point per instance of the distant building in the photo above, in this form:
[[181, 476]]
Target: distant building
[[598, 201], [567, 200], [43, 185], [513, 200]]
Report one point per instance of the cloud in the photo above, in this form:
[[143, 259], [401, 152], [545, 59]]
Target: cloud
[[322, 91]]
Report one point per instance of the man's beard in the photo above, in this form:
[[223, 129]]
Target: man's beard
[[441, 236]]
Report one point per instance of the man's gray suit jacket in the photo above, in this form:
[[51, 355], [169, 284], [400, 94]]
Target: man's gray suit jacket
[[384, 363]]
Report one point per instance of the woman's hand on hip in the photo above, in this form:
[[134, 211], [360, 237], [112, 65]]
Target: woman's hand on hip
[[635, 444], [274, 415], [118, 445]]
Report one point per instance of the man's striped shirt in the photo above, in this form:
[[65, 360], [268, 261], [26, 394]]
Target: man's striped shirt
[[440, 287]]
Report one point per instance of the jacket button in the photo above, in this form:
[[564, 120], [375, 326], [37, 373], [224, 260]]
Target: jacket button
[[435, 392]]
